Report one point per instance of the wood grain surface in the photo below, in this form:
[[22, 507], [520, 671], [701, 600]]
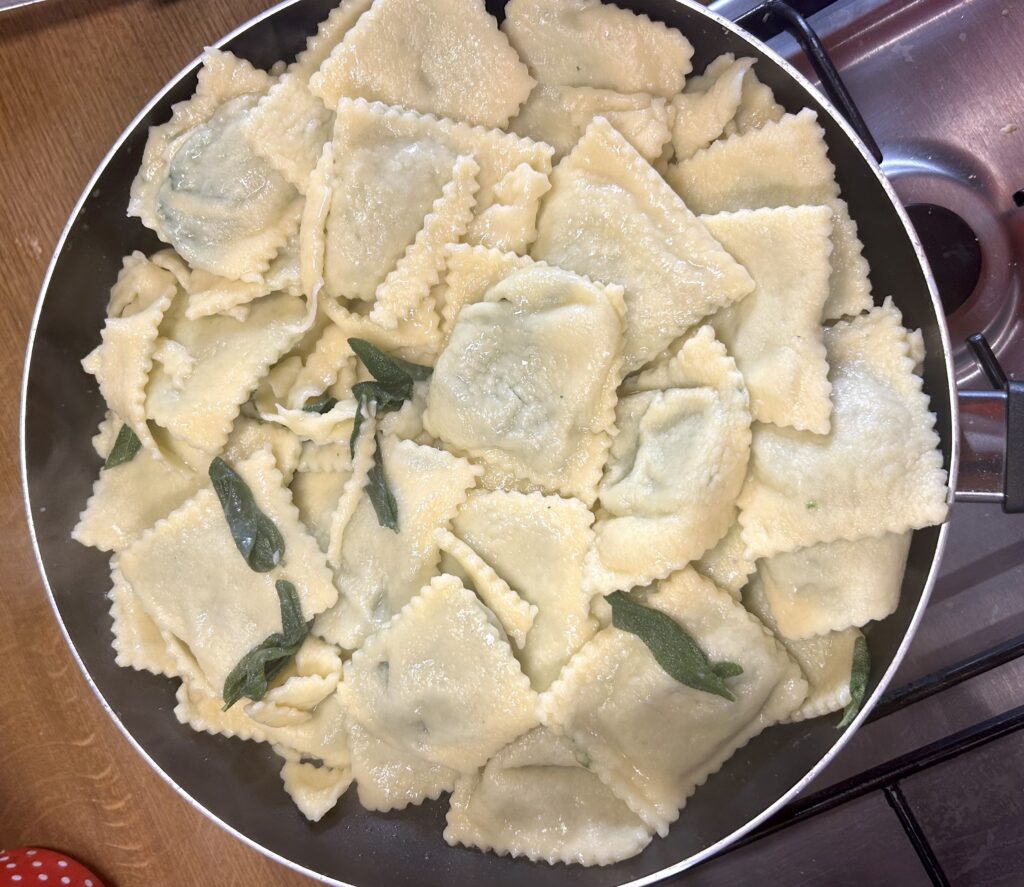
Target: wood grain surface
[[73, 73]]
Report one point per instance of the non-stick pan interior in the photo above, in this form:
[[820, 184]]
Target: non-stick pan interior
[[238, 782]]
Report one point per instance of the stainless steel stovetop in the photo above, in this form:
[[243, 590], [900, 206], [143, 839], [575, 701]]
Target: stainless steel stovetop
[[931, 790]]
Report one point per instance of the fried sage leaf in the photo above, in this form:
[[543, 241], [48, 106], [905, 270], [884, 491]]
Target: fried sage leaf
[[381, 497], [394, 384], [257, 668], [386, 368], [323, 404], [675, 651], [125, 447], [257, 538], [858, 681]]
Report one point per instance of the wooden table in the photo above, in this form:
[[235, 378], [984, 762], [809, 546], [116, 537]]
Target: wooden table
[[73, 73]]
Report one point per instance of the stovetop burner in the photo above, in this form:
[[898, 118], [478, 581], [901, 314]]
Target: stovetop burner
[[953, 251]]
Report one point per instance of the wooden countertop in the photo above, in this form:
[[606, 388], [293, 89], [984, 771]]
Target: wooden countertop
[[73, 73]]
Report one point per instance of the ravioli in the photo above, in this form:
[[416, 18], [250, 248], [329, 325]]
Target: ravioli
[[137, 642], [194, 584], [537, 545], [612, 217], [783, 163], [775, 333], [389, 778], [826, 660], [123, 360], [229, 357], [201, 187], [836, 585], [675, 468], [446, 57], [559, 115], [315, 790], [536, 799], [380, 570], [805, 488], [527, 381], [617, 705], [472, 699], [707, 105], [727, 564], [512, 177], [590, 43]]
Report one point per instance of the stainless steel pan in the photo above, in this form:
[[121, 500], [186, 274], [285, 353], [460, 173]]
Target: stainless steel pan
[[237, 784]]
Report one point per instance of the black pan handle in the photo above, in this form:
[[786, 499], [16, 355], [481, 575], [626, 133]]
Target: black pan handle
[[772, 17]]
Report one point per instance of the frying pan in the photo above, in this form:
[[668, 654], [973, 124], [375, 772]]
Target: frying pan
[[237, 784]]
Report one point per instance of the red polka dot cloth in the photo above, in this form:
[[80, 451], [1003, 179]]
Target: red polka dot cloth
[[38, 867]]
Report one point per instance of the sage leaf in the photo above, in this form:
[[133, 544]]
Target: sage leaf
[[257, 538], [124, 449], [858, 681], [323, 404], [257, 668], [386, 368], [381, 497], [395, 379], [673, 649]]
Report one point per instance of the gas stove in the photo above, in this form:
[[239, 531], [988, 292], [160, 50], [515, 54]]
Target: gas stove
[[931, 789]]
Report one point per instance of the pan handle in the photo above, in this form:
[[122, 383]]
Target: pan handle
[[992, 469], [771, 17]]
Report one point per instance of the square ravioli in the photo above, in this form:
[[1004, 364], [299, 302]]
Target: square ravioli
[[382, 192], [538, 798], [826, 660], [835, 585], [388, 778], [784, 163], [379, 570], [775, 333], [675, 468], [526, 384], [592, 43], [203, 189], [617, 704], [445, 57], [612, 217], [537, 545], [417, 153], [878, 470], [196, 586], [440, 682], [559, 115]]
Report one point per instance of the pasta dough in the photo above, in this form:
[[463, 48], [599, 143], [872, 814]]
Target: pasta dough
[[617, 705], [805, 488], [783, 163], [527, 382], [612, 217], [535, 799], [675, 468]]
